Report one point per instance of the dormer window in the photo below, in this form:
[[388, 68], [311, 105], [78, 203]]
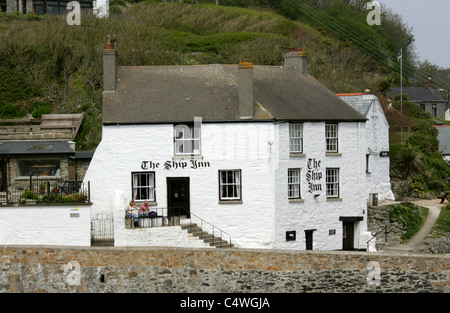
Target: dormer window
[[186, 139]]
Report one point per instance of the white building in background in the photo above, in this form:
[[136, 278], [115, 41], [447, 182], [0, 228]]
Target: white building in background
[[265, 153], [377, 144], [100, 8]]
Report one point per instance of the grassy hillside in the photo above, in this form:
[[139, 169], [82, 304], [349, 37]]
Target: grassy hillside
[[49, 65]]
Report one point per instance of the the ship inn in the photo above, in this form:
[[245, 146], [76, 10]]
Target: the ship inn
[[266, 154]]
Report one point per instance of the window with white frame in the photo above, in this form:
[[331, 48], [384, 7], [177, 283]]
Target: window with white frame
[[332, 182], [331, 137], [295, 137], [186, 139], [294, 183], [143, 186], [230, 185]]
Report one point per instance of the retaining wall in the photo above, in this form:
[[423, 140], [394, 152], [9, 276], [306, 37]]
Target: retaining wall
[[112, 269]]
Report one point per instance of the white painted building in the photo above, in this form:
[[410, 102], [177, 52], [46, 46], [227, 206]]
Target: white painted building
[[277, 161], [377, 144]]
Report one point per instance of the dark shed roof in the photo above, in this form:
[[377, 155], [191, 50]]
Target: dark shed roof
[[167, 94], [36, 147], [418, 94]]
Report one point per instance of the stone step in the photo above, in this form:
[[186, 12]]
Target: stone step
[[194, 230]]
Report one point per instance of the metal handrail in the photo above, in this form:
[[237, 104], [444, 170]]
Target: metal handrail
[[201, 226], [166, 213], [377, 233]]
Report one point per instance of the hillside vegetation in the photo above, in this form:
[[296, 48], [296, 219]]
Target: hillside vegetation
[[48, 66]]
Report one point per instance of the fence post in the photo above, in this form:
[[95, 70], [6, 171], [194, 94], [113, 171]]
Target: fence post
[[89, 191], [7, 192]]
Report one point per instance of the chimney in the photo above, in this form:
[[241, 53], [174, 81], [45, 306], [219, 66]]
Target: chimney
[[429, 82], [110, 57], [296, 59], [245, 85]]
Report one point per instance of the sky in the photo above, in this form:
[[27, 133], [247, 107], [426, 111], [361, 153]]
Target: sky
[[430, 22]]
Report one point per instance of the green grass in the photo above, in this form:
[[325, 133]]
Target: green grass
[[442, 225]]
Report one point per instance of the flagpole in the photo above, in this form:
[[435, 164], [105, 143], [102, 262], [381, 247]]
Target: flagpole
[[401, 93]]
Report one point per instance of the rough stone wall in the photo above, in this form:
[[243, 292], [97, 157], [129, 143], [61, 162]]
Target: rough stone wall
[[46, 269]]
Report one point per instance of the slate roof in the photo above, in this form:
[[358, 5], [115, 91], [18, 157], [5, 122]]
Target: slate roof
[[168, 94], [82, 155], [418, 94], [35, 147], [360, 102]]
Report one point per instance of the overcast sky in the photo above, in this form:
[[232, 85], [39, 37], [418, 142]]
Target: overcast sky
[[430, 20]]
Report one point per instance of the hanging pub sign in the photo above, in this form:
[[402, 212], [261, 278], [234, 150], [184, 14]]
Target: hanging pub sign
[[174, 165], [384, 154]]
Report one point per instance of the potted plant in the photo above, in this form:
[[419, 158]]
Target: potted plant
[[42, 188]]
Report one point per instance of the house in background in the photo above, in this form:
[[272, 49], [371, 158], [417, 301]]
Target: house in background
[[426, 98], [377, 145], [265, 153], [40, 149], [100, 7]]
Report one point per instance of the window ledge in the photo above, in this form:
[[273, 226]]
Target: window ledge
[[188, 157], [296, 154], [230, 202], [296, 200], [334, 199], [333, 154]]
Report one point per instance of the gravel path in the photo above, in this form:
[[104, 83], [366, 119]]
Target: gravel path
[[416, 242]]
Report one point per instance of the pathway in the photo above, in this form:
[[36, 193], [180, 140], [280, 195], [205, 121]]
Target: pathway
[[416, 243]]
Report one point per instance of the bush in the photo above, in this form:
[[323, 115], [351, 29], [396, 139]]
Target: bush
[[42, 109], [28, 194]]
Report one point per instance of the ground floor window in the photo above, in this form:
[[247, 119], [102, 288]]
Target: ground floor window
[[230, 185], [57, 7], [293, 183], [332, 181], [143, 185], [39, 167]]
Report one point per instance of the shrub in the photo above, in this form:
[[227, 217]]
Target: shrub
[[28, 194]]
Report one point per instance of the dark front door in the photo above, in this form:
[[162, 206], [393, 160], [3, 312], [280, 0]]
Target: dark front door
[[348, 235], [178, 196], [309, 239]]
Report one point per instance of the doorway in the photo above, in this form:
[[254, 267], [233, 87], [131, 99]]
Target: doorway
[[178, 201], [348, 235], [309, 238]]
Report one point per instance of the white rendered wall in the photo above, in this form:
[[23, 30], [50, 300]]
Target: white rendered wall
[[244, 146], [377, 138], [319, 213], [45, 225]]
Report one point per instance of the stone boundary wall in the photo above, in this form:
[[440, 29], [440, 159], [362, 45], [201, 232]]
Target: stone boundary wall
[[187, 270]]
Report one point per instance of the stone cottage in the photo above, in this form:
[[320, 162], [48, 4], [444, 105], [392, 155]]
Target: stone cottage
[[265, 153], [426, 98]]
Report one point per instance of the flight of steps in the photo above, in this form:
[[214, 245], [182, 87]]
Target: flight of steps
[[194, 230]]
